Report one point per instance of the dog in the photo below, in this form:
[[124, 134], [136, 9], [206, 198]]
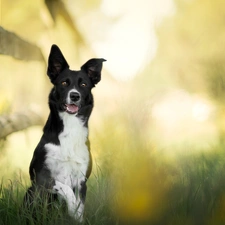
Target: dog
[[61, 162]]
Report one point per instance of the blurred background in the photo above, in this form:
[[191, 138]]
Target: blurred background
[[157, 130]]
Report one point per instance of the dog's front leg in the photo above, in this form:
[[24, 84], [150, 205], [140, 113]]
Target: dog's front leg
[[66, 193], [80, 193]]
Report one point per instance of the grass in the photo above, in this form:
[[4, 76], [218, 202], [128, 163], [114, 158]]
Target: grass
[[187, 190], [134, 183], [12, 212], [197, 196]]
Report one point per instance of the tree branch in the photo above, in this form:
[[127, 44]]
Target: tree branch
[[13, 45], [18, 121]]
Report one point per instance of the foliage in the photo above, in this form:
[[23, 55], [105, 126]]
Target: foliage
[[191, 47]]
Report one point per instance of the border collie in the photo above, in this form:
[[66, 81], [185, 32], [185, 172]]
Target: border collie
[[61, 162]]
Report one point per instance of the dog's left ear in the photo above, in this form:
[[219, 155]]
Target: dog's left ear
[[93, 68], [56, 63]]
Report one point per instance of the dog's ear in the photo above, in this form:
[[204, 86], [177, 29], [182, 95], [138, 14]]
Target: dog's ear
[[93, 68], [56, 63]]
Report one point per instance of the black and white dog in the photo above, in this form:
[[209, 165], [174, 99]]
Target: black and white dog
[[61, 162]]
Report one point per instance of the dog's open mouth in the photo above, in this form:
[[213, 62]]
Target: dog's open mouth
[[71, 108]]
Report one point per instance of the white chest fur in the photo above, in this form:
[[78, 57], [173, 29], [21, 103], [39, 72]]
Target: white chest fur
[[68, 162]]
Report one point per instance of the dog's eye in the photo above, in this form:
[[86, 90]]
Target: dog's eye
[[83, 85], [64, 83]]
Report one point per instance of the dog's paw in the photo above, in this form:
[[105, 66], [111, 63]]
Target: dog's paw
[[58, 190]]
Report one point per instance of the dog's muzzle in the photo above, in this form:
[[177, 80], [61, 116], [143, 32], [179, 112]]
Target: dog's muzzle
[[73, 102]]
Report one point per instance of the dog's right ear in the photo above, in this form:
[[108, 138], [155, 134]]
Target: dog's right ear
[[56, 63]]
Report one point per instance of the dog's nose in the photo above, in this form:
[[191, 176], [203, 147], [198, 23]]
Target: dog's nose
[[74, 96]]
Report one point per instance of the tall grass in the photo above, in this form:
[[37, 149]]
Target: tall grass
[[186, 190], [12, 211], [197, 194]]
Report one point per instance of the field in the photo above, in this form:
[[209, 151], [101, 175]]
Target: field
[[135, 183]]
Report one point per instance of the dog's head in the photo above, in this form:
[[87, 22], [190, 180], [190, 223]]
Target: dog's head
[[72, 89]]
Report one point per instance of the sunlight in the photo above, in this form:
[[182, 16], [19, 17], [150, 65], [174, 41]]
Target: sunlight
[[125, 51], [131, 41], [201, 110], [180, 116]]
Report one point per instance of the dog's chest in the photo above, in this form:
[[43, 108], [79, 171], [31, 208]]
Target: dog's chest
[[68, 162]]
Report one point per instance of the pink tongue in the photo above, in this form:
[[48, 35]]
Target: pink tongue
[[71, 108]]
